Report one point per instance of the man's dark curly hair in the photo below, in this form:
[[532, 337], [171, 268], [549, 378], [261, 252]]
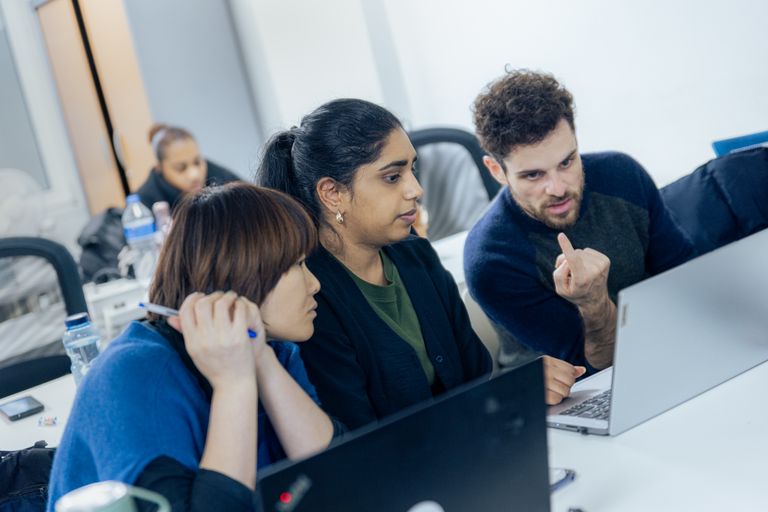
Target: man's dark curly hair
[[520, 108]]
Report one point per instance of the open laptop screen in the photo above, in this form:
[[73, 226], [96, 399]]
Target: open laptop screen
[[480, 447]]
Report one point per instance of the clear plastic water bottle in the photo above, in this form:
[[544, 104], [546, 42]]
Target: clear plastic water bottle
[[81, 341], [139, 229], [162, 212]]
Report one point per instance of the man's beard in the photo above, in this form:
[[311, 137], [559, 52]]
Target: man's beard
[[555, 221]]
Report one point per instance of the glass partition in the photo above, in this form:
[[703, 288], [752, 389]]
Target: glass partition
[[18, 144]]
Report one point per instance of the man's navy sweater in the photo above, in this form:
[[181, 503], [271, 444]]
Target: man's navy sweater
[[509, 257]]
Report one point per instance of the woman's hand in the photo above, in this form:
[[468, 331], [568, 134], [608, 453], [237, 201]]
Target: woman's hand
[[559, 377], [215, 329]]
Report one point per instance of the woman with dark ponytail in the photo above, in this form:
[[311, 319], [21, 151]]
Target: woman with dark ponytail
[[391, 329]]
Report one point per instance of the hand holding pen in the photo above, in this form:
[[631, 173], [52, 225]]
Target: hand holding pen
[[170, 312], [215, 329]]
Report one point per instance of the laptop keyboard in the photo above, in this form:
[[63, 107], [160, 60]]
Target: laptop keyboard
[[597, 407]]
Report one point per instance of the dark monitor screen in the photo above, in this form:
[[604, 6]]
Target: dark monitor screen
[[482, 447]]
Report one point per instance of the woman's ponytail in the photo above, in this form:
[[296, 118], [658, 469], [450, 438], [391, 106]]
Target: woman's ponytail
[[276, 168]]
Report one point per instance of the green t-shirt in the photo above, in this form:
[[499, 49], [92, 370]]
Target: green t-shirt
[[394, 307]]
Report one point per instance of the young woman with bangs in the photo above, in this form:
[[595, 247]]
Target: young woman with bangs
[[191, 406], [391, 329]]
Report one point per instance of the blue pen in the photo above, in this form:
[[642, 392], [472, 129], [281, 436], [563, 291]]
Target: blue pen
[[162, 310]]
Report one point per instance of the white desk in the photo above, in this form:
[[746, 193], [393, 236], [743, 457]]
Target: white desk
[[708, 454], [57, 397]]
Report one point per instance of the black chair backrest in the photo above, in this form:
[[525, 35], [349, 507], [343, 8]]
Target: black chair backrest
[[61, 260], [464, 138], [31, 372]]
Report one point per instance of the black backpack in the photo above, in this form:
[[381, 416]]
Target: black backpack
[[24, 476], [102, 240]]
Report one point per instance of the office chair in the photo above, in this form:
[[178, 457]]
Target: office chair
[[457, 187], [30, 299], [463, 138]]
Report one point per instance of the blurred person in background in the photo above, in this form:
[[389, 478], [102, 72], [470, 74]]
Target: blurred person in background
[[180, 167]]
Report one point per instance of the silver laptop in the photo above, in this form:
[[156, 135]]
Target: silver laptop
[[678, 334]]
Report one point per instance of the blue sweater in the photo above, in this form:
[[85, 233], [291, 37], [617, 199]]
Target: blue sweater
[[141, 401], [509, 257]]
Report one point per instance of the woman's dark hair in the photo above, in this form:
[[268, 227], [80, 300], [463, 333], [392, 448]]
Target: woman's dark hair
[[333, 141], [162, 135], [237, 237]]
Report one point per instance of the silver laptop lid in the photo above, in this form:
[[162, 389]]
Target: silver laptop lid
[[689, 329]]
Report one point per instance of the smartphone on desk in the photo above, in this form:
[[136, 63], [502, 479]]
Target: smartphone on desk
[[21, 408]]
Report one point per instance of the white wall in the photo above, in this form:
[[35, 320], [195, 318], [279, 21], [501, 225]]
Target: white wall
[[18, 147], [301, 54], [195, 78], [657, 79], [58, 211]]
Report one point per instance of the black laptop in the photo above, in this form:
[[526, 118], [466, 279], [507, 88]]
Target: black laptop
[[481, 447]]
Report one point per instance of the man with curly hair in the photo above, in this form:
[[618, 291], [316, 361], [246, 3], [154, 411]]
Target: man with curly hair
[[566, 232]]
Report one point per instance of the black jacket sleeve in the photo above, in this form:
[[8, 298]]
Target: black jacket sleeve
[[475, 358], [335, 370], [190, 491]]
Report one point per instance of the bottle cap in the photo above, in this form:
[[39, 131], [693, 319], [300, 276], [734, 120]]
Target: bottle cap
[[133, 198], [76, 320]]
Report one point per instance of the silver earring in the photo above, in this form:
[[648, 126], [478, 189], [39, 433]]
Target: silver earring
[[339, 218]]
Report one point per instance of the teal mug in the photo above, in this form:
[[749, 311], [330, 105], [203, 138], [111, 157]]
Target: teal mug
[[109, 496]]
